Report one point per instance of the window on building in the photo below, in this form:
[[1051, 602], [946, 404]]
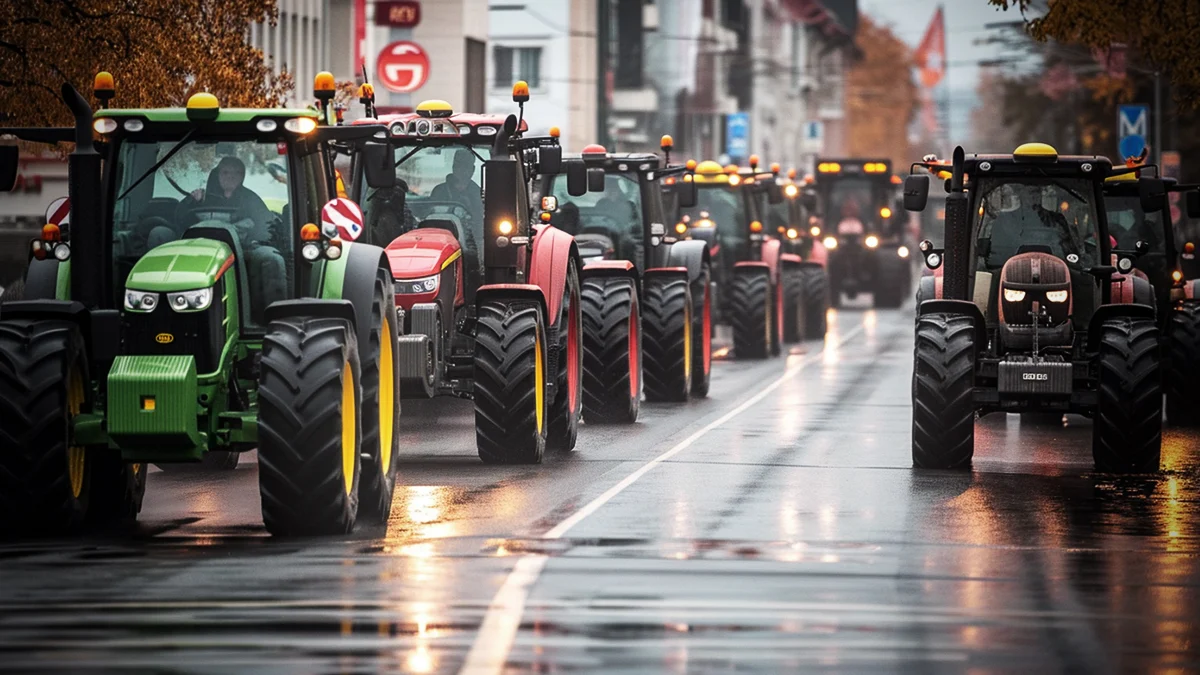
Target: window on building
[[517, 63]]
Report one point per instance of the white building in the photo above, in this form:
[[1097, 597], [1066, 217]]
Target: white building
[[299, 42], [551, 44]]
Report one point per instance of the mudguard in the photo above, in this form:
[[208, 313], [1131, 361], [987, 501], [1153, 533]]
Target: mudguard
[[789, 259], [312, 307], [771, 251], [691, 254], [1112, 311], [526, 292], [101, 328], [819, 253], [1134, 287], [41, 280], [964, 307], [610, 268], [553, 250], [1191, 289], [359, 267]]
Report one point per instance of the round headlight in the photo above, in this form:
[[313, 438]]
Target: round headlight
[[179, 302], [149, 302], [872, 241], [431, 283], [424, 127], [1013, 295], [311, 251], [933, 260], [134, 125], [830, 242], [1123, 264], [333, 252], [105, 125], [902, 251], [266, 126], [300, 125], [62, 251]]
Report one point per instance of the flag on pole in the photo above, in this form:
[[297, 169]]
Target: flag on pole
[[930, 58]]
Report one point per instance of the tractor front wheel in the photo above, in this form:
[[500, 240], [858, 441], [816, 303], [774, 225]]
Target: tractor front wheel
[[510, 382], [380, 407], [567, 408], [45, 482], [751, 310], [816, 301], [612, 368], [309, 427], [1183, 375], [793, 305], [943, 412], [1127, 426], [666, 337], [702, 332]]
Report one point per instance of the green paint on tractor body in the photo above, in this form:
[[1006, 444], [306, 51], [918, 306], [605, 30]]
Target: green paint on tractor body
[[224, 115], [182, 265], [152, 407]]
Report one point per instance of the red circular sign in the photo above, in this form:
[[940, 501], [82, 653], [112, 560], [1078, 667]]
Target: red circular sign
[[345, 216], [402, 67]]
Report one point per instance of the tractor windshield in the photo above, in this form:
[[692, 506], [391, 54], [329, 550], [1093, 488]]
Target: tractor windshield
[[238, 185], [437, 185], [1129, 224], [1028, 214], [724, 206], [598, 220], [850, 205]]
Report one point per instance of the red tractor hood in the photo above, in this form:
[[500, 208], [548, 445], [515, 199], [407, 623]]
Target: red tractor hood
[[421, 253]]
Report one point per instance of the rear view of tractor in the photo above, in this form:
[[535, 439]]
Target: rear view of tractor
[[799, 228], [865, 236], [1030, 313], [488, 296], [194, 307], [647, 299]]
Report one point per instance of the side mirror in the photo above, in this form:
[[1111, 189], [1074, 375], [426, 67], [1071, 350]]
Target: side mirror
[[595, 180], [378, 168], [577, 178], [9, 155], [916, 192], [1192, 198], [549, 160], [688, 193], [1153, 194]]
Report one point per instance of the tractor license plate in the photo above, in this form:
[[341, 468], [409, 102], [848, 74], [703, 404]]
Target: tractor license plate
[[1038, 378]]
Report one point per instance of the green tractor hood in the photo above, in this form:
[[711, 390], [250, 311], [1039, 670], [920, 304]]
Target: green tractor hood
[[183, 265]]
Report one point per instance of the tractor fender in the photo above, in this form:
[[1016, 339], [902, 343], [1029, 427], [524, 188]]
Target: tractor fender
[[312, 307], [754, 266], [963, 307], [511, 292], [553, 250], [611, 268], [41, 280], [772, 249], [101, 328], [1112, 311], [1191, 289], [680, 272], [819, 253], [1132, 288], [692, 254], [928, 288], [790, 259], [361, 266]]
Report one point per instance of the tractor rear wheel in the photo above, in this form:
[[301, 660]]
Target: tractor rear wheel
[[510, 383], [1183, 373], [793, 305], [567, 408], [816, 301], [45, 483], [1127, 426], [702, 332], [309, 427], [666, 337], [943, 431], [380, 408], [751, 311], [612, 369]]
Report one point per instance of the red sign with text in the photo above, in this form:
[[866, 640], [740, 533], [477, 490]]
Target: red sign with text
[[397, 14], [403, 67]]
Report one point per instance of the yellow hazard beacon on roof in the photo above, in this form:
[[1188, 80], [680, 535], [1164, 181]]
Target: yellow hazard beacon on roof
[[709, 171], [434, 108], [203, 106], [1036, 151]]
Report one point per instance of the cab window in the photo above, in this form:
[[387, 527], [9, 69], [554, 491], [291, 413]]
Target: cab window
[[1054, 214]]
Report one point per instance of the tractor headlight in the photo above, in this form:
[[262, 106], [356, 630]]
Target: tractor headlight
[[902, 251], [1014, 295], [140, 301], [190, 301], [422, 285], [1056, 296], [830, 243], [871, 241], [310, 251]]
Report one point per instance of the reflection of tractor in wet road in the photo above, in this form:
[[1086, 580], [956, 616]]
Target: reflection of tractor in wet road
[[865, 235]]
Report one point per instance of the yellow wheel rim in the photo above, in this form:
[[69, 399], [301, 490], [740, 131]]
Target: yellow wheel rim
[[387, 396], [349, 430], [539, 377], [687, 342], [76, 460]]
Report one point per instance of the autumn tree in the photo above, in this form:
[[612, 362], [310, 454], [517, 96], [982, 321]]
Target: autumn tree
[[881, 97], [1163, 32], [159, 52]]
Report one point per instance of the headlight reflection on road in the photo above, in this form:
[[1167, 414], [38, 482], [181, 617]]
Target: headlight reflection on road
[[832, 338]]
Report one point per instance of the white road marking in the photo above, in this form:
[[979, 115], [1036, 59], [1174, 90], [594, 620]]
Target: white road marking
[[493, 643]]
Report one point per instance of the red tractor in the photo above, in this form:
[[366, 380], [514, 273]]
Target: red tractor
[[647, 302], [799, 232], [488, 297]]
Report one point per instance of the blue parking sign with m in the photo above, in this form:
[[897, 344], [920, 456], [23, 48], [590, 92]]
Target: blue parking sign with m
[[1133, 128], [737, 135]]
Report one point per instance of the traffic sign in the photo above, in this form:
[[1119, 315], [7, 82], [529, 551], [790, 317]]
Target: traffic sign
[[1132, 131], [59, 212], [402, 67], [737, 135], [344, 216], [814, 136]]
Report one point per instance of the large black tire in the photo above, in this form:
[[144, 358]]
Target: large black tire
[[1127, 426], [702, 332], [751, 310], [220, 460], [309, 427], [380, 409], [793, 305], [510, 383], [117, 487], [612, 369], [567, 408], [943, 431], [816, 301], [45, 485], [1183, 366], [666, 337]]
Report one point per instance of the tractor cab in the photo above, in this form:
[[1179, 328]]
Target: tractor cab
[[859, 201], [798, 217], [1149, 234]]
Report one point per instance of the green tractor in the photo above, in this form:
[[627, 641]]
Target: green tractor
[[202, 298]]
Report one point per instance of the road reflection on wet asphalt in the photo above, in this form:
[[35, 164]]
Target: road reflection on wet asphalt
[[792, 534]]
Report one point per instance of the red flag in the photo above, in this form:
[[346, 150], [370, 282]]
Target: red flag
[[930, 56]]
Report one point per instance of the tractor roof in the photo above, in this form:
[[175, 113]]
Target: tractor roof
[[473, 127], [619, 162], [223, 115]]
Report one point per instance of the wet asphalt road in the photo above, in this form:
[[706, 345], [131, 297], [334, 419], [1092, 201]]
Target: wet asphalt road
[[777, 526]]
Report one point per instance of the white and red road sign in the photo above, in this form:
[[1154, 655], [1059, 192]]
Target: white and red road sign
[[345, 216], [402, 66], [59, 212]]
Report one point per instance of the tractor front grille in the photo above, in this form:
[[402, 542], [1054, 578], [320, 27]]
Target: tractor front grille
[[167, 332]]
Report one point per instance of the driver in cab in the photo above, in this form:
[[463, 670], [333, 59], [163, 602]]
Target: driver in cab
[[460, 188]]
